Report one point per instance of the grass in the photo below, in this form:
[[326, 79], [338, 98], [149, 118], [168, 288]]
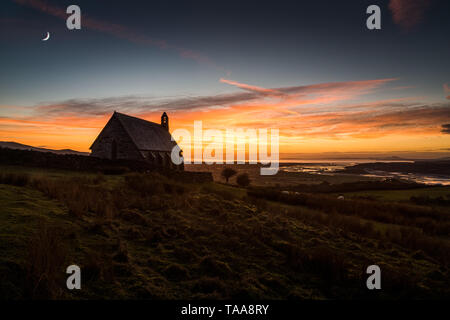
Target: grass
[[282, 179], [23, 215], [402, 195], [109, 181], [139, 236]]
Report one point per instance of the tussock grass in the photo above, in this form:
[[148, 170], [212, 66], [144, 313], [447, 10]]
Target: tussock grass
[[431, 220], [15, 179], [45, 266], [410, 236], [147, 236]]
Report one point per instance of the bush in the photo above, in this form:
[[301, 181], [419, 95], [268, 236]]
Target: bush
[[243, 180], [227, 173]]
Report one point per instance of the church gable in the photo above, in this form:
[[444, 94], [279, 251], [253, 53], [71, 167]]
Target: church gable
[[126, 137], [147, 135], [113, 142]]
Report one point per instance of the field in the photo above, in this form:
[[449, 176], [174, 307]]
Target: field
[[281, 179], [402, 195], [144, 236]]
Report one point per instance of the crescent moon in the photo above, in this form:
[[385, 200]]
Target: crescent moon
[[46, 37]]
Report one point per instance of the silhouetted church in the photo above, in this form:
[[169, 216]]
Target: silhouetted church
[[131, 138]]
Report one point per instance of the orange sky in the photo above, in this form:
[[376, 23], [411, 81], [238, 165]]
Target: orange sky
[[316, 118]]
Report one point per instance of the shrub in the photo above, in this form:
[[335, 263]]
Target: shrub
[[243, 180], [227, 173]]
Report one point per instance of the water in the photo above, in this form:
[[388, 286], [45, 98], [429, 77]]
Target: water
[[327, 167], [415, 177]]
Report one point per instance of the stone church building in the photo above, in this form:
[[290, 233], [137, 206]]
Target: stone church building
[[131, 138]]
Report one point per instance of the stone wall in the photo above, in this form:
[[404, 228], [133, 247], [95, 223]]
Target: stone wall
[[93, 164], [70, 162]]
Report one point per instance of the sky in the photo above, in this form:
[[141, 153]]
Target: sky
[[310, 69]]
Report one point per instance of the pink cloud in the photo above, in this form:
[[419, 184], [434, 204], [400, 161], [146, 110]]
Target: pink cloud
[[408, 13], [301, 112], [321, 93], [447, 90], [252, 88]]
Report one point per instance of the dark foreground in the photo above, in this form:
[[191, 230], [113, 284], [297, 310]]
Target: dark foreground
[[145, 236]]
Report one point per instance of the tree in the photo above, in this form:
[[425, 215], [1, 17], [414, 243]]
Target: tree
[[227, 173], [243, 180]]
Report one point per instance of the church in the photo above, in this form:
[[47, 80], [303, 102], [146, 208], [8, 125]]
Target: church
[[129, 138]]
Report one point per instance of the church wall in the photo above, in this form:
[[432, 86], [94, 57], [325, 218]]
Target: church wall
[[114, 131]]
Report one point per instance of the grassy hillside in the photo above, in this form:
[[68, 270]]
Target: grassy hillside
[[143, 236], [403, 195]]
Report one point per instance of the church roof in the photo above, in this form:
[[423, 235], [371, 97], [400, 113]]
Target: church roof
[[146, 135]]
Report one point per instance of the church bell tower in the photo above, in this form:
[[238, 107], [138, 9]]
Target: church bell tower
[[165, 121]]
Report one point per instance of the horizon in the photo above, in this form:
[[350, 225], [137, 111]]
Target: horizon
[[319, 76], [319, 156]]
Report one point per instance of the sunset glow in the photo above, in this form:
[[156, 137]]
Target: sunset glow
[[357, 112], [315, 118]]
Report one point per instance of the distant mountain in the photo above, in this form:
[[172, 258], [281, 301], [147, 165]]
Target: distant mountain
[[393, 158], [439, 167], [378, 156], [15, 145]]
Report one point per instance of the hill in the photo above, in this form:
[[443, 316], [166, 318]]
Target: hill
[[19, 146], [145, 236], [435, 166]]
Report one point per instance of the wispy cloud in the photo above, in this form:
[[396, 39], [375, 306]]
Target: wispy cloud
[[252, 88], [447, 90], [446, 128], [318, 111], [408, 13], [254, 98]]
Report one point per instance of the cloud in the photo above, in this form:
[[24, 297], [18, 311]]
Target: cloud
[[251, 88], [140, 104], [332, 88], [370, 121], [408, 13], [330, 111], [254, 98], [446, 128], [122, 32], [447, 90]]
